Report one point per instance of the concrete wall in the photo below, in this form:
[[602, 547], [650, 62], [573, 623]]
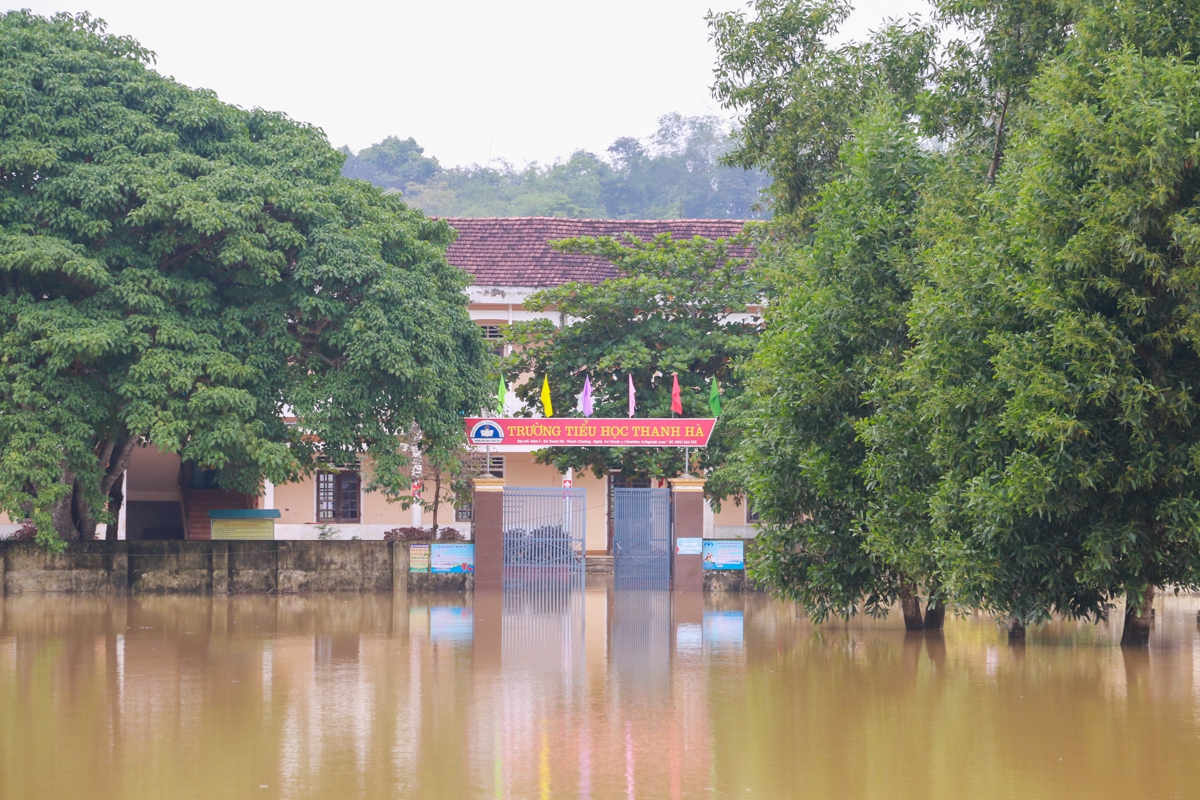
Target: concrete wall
[[217, 567]]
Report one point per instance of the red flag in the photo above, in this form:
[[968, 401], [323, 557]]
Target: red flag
[[676, 400]]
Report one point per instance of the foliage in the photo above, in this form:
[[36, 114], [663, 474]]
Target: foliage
[[799, 95], [181, 272], [327, 533], [678, 306], [675, 173], [409, 533], [837, 324], [1057, 360]]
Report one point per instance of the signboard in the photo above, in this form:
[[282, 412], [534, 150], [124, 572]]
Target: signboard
[[449, 558], [724, 554], [239, 530], [418, 558], [688, 546], [590, 432]]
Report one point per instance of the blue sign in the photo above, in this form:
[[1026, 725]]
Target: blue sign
[[450, 558], [686, 546], [486, 432], [724, 554]]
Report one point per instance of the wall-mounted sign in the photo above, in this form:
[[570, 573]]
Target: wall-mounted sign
[[418, 558], [724, 554], [590, 432], [449, 558], [688, 546]]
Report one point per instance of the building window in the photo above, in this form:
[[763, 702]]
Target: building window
[[493, 335], [338, 496], [622, 482], [751, 512], [463, 513], [495, 466]]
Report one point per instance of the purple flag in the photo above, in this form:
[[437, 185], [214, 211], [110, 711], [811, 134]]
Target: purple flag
[[585, 399], [632, 397]]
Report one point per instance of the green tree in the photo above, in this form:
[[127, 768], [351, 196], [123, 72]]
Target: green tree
[[391, 164], [1056, 362], [677, 307], [180, 272], [835, 327]]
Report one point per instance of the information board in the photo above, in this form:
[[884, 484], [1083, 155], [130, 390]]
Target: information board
[[418, 558], [724, 554], [688, 546], [590, 432], [451, 558], [243, 529]]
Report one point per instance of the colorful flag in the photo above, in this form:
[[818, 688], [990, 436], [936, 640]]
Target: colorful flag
[[714, 398], [547, 406], [676, 399], [585, 398], [501, 396], [632, 397]]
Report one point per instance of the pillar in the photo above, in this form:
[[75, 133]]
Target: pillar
[[687, 568], [487, 510]]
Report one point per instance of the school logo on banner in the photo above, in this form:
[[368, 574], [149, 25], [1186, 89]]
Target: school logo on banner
[[486, 431]]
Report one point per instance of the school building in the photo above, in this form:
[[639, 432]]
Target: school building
[[509, 259]]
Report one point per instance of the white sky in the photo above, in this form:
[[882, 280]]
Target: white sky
[[523, 80]]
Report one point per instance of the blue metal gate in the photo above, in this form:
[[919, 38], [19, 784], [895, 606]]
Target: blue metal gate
[[642, 538], [544, 536]]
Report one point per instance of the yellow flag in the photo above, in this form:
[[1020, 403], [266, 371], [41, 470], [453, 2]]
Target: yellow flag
[[547, 406]]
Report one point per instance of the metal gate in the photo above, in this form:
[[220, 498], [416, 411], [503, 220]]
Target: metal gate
[[544, 536], [642, 538]]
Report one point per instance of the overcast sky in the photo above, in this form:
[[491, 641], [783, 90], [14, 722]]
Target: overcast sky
[[523, 80]]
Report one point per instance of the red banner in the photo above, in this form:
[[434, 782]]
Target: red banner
[[580, 432]]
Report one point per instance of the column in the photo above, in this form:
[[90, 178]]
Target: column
[[487, 509], [687, 565]]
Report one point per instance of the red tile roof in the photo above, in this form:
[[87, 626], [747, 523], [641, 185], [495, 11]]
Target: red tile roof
[[515, 251]]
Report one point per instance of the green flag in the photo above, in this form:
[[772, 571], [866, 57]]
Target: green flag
[[714, 398], [501, 394]]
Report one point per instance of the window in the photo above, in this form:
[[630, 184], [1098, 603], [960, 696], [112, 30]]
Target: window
[[494, 335], [751, 513], [338, 496], [622, 482], [495, 467], [463, 513]]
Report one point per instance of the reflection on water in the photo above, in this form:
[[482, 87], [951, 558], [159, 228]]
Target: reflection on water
[[595, 694]]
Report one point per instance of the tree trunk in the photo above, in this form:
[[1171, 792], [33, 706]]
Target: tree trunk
[[910, 604], [1016, 631], [998, 146], [62, 512], [1137, 621], [935, 614]]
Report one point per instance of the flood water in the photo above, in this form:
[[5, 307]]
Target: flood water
[[599, 694]]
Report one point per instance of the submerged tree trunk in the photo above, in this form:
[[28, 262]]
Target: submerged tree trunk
[[935, 614], [1016, 631], [1137, 621], [910, 604]]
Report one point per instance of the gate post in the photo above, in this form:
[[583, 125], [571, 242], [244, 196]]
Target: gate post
[[487, 513], [687, 570]]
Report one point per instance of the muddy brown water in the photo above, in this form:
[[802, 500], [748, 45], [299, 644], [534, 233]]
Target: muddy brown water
[[594, 695]]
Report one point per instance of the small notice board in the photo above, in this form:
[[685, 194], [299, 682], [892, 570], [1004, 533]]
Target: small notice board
[[450, 558], [724, 554], [240, 529], [418, 558]]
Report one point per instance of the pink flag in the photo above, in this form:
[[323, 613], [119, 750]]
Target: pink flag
[[632, 397], [585, 399], [676, 400]]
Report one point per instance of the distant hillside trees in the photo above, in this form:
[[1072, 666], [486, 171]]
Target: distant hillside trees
[[677, 172]]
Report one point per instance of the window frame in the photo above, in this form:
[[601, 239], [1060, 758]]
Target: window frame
[[339, 479]]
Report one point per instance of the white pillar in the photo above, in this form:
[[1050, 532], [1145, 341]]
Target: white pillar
[[124, 505], [709, 521], [268, 494], [416, 507]]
